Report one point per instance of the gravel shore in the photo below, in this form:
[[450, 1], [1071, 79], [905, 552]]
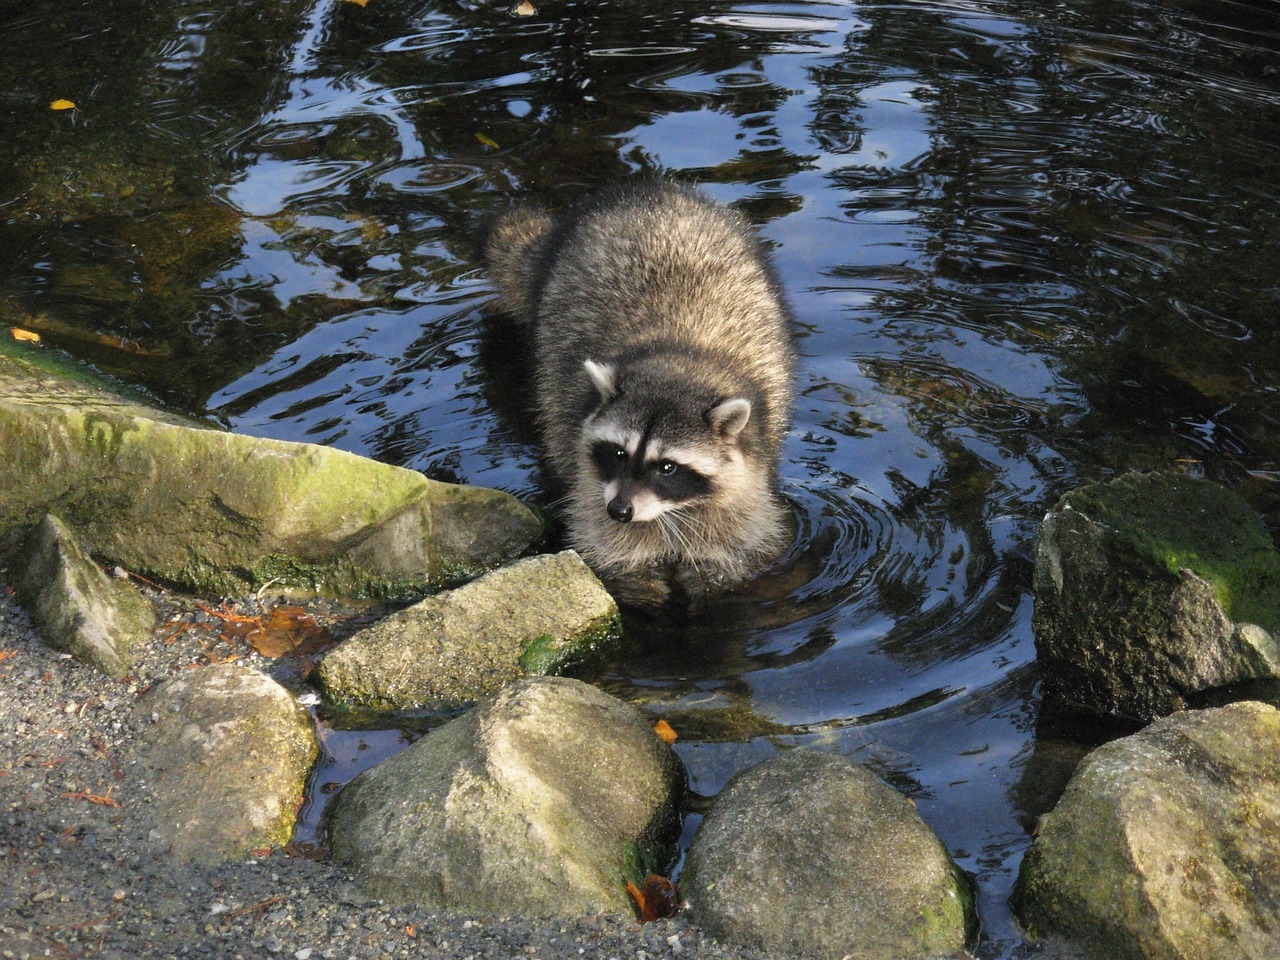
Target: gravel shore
[[79, 879]]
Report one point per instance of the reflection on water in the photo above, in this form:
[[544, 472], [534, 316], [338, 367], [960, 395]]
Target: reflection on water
[[1026, 247]]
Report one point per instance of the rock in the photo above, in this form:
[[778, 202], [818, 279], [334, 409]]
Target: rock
[[228, 754], [76, 606], [809, 854], [1166, 844], [1151, 589], [220, 513], [542, 800], [535, 616]]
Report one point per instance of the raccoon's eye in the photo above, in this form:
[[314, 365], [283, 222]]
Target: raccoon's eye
[[666, 468], [619, 453]]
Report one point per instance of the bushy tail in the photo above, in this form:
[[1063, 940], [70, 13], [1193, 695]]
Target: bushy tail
[[511, 252]]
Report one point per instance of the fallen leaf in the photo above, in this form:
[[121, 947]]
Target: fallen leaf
[[28, 336], [359, 3], [62, 105], [525, 9], [664, 730], [487, 141], [289, 631], [656, 899]]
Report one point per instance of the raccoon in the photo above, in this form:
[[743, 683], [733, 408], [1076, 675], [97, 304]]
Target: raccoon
[[663, 377]]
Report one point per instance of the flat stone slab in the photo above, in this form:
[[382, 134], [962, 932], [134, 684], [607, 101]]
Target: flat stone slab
[[220, 513], [534, 617], [228, 751]]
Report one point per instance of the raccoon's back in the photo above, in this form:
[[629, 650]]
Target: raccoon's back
[[653, 266]]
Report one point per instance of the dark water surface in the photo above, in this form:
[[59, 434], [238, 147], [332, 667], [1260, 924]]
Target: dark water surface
[[1028, 246]]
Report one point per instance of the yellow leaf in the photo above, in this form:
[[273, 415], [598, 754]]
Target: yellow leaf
[[487, 141], [62, 105], [525, 9], [358, 2], [28, 335]]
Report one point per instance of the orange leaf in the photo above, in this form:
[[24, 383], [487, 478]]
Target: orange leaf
[[525, 9], [28, 336], [664, 730], [62, 105]]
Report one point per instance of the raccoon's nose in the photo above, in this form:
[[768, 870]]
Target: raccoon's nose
[[620, 510]]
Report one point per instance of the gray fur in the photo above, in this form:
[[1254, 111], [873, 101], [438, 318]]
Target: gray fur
[[656, 316]]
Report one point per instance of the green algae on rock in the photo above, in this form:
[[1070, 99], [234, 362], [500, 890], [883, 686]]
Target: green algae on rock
[[1151, 589], [535, 616], [220, 513]]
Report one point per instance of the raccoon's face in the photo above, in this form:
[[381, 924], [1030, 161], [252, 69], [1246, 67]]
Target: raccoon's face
[[642, 478], [652, 457]]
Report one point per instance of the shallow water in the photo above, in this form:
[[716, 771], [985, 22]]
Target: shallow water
[[1026, 246]]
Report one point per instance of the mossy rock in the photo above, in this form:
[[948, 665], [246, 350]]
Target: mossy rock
[[1152, 590], [536, 616]]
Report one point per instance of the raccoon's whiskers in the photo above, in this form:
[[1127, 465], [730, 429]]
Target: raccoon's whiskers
[[684, 529]]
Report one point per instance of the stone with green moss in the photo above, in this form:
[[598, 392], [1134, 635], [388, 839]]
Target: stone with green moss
[[1164, 845], [1152, 589], [227, 752], [218, 513], [543, 800], [810, 855], [536, 616]]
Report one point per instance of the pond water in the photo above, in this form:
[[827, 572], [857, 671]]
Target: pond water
[[1027, 246]]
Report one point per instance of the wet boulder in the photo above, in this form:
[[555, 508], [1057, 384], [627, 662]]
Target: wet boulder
[[543, 800], [221, 513], [227, 751], [1151, 589], [809, 854], [75, 606], [536, 616], [1166, 844]]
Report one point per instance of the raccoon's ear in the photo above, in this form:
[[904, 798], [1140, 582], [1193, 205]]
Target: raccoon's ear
[[601, 375], [729, 416]]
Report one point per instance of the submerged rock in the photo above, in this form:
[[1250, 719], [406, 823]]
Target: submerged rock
[[1166, 844], [809, 854], [228, 753], [221, 513], [76, 606], [542, 800], [1151, 589], [535, 616]]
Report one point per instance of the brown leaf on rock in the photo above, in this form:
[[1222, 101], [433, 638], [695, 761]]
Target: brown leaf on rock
[[656, 898], [289, 631]]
